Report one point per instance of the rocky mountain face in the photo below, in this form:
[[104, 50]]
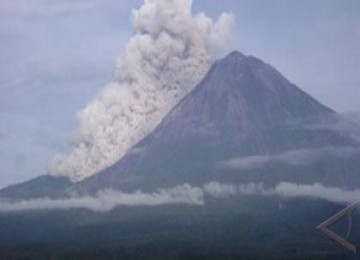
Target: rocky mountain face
[[243, 109]]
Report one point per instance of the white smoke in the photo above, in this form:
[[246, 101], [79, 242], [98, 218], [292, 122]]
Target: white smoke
[[164, 60]]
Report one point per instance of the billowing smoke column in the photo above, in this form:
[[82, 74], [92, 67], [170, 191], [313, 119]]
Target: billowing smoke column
[[167, 56]]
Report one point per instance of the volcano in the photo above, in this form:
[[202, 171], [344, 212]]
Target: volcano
[[244, 112]]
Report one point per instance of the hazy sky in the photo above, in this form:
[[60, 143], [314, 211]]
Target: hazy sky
[[56, 54]]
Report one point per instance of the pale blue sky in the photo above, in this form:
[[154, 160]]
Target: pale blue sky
[[56, 54]]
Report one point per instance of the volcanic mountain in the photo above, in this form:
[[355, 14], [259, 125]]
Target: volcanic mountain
[[244, 122]]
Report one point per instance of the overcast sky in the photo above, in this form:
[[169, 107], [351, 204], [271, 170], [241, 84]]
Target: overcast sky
[[56, 54]]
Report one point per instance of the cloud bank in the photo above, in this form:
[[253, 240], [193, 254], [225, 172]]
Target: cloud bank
[[169, 53], [295, 157], [183, 194], [317, 190], [108, 199]]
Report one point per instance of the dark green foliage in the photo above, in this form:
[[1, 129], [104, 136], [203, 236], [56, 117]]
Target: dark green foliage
[[238, 228]]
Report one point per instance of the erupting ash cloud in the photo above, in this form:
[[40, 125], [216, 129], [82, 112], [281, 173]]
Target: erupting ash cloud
[[168, 55]]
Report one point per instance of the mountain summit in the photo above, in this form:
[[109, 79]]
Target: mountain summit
[[243, 110], [242, 94]]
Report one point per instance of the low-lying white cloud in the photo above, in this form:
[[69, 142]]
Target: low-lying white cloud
[[295, 157], [220, 190], [108, 199], [183, 194], [317, 190], [339, 124]]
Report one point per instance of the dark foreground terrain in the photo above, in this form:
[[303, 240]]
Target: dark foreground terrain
[[238, 228]]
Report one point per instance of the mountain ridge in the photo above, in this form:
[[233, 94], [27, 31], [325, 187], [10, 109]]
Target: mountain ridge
[[242, 107], [202, 126]]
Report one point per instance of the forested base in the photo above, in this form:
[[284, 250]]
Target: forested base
[[159, 251], [237, 228]]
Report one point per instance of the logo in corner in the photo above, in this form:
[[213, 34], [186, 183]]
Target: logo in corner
[[323, 227]]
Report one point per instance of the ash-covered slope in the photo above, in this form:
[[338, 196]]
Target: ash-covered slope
[[244, 112], [242, 108]]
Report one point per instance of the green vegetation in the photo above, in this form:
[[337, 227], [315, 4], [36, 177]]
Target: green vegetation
[[238, 228]]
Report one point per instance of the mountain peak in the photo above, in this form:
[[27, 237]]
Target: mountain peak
[[236, 63], [235, 55], [243, 107], [244, 93]]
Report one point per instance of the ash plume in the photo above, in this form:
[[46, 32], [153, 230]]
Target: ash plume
[[169, 53]]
